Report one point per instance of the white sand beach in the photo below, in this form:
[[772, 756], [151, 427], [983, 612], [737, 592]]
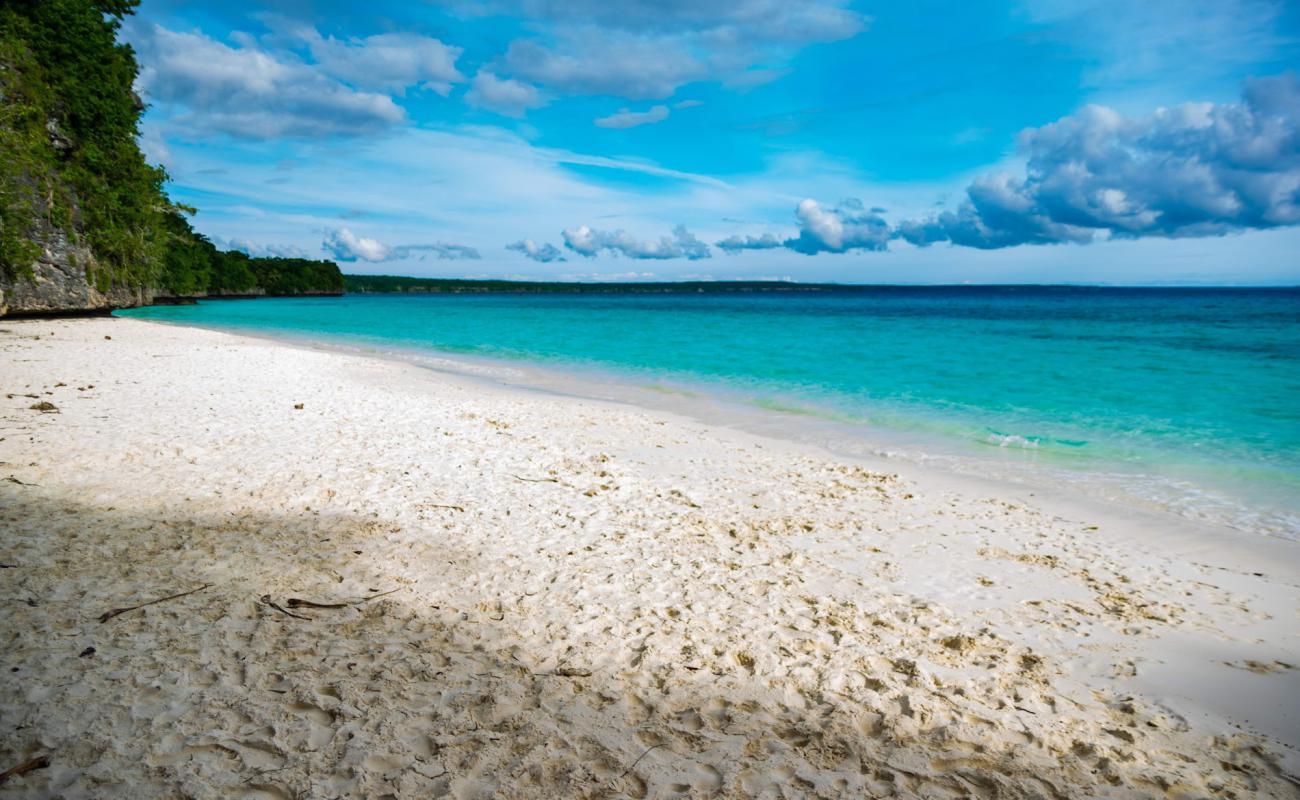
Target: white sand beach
[[404, 583]]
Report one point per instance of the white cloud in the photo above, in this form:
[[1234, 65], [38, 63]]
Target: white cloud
[[592, 61], [681, 244], [643, 50], [505, 96], [260, 250], [344, 245], [631, 119], [1194, 170], [209, 87], [737, 243], [847, 226], [544, 253], [387, 61]]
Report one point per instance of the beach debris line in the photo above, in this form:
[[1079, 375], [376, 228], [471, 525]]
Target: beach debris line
[[40, 762], [107, 615]]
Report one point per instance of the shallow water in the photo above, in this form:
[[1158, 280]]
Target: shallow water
[[1186, 400]]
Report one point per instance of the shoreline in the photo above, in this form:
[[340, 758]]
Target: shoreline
[[826, 611], [940, 456]]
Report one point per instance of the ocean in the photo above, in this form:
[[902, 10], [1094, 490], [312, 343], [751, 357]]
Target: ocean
[[1186, 401]]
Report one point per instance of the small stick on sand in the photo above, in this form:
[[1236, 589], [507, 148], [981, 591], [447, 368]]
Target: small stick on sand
[[266, 600], [638, 760], [373, 596], [440, 505], [294, 602], [12, 479], [107, 615], [536, 480], [40, 762], [298, 602]]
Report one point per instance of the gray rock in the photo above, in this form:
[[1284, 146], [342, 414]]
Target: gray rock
[[58, 283]]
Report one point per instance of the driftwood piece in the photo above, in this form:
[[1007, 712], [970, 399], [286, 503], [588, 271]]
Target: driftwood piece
[[536, 480], [40, 762], [107, 615]]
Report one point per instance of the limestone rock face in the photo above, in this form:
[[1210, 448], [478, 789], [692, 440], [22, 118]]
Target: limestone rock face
[[59, 284]]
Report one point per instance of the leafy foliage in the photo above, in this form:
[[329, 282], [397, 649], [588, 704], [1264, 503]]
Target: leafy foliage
[[70, 163], [70, 120]]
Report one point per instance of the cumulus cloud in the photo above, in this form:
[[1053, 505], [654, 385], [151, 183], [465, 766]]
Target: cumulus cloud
[[505, 96], [681, 244], [1194, 170], [247, 92], [344, 245], [387, 61], [538, 252], [631, 119], [736, 243], [838, 229], [260, 250]]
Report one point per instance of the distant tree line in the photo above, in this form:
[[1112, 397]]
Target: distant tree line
[[192, 266], [377, 284]]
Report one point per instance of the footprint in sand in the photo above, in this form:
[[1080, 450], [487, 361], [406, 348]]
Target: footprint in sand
[[320, 724]]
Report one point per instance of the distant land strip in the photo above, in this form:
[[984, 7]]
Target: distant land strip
[[401, 284]]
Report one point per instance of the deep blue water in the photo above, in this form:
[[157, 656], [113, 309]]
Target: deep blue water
[[1194, 390]]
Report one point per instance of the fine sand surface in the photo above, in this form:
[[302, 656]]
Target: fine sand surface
[[529, 595]]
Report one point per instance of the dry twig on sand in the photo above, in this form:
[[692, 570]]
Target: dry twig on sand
[[298, 602], [266, 601], [107, 615], [40, 762]]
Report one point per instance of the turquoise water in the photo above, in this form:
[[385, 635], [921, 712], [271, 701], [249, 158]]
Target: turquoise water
[[1188, 399]]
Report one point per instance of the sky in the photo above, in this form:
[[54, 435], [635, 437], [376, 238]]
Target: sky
[[1033, 141]]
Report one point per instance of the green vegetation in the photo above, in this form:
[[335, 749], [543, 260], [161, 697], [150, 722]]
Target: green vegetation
[[70, 164], [363, 284], [68, 133], [194, 266]]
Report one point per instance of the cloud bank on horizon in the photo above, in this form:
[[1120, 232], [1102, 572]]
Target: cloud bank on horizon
[[514, 128]]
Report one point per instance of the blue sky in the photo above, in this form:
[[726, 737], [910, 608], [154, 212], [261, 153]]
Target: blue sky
[[1038, 141]]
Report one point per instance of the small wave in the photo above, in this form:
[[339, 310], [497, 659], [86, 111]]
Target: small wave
[[1013, 441]]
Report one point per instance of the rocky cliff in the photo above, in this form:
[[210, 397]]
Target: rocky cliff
[[58, 283]]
